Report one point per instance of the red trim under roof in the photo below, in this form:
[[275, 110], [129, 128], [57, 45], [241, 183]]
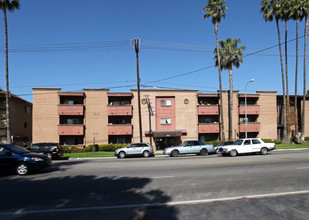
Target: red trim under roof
[[119, 94], [70, 94], [249, 95]]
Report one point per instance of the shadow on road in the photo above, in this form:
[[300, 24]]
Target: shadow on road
[[74, 197]]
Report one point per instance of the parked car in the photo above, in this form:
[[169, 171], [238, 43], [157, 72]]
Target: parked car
[[14, 158], [190, 147], [135, 149], [247, 145], [223, 144], [51, 150]]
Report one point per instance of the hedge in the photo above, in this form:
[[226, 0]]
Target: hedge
[[101, 147]]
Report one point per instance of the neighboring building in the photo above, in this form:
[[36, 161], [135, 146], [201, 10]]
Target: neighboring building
[[169, 117], [21, 119]]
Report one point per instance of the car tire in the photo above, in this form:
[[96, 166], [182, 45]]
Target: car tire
[[146, 153], [121, 154], [49, 155], [263, 151], [217, 151], [174, 153], [233, 153], [22, 169], [203, 152]]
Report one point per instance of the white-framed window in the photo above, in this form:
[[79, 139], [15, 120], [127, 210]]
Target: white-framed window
[[166, 103], [165, 121]]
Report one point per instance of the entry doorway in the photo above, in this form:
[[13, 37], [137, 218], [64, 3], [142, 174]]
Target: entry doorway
[[164, 142]]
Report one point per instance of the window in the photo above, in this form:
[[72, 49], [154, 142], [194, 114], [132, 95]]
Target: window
[[255, 141], [70, 102], [166, 103], [72, 121], [165, 121], [247, 142]]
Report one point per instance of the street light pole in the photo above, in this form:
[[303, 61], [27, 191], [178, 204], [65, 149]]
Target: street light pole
[[246, 119]]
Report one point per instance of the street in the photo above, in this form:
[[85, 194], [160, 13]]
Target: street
[[274, 186]]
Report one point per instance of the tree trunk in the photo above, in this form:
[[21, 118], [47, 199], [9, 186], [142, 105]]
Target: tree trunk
[[296, 72], [288, 107], [231, 104], [283, 84], [8, 121], [222, 135], [302, 136]]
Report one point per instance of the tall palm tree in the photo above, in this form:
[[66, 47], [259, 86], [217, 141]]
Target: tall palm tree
[[9, 5], [230, 55], [306, 7], [270, 10], [285, 15], [297, 13], [216, 10]]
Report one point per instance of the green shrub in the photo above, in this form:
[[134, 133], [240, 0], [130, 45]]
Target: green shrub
[[268, 140], [65, 149], [75, 149], [276, 141], [89, 148], [215, 143], [306, 138], [110, 147]]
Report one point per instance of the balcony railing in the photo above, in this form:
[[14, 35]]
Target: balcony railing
[[251, 127], [70, 129], [251, 110], [208, 128], [123, 129], [208, 110], [70, 110], [119, 110]]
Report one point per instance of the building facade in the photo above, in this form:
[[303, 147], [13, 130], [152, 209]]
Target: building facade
[[169, 117], [20, 118]]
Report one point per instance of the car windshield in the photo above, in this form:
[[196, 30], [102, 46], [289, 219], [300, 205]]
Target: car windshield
[[238, 142], [17, 150]]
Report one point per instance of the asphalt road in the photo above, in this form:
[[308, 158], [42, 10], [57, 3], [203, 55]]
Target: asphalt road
[[275, 186]]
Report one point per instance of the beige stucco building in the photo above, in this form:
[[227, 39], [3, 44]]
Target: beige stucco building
[[20, 120], [168, 117]]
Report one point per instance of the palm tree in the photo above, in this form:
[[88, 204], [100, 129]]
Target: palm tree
[[270, 10], [285, 15], [306, 7], [297, 13], [10, 6], [230, 55], [215, 10]]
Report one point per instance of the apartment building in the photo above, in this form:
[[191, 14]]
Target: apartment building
[[169, 117], [20, 118]]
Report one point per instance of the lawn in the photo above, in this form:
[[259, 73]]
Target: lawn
[[111, 154]]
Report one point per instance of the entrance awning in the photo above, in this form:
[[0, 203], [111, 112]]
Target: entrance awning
[[171, 133]]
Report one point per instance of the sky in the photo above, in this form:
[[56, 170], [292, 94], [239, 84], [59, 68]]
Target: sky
[[76, 44]]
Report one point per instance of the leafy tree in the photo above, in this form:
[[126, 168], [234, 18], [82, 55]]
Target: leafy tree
[[9, 5], [216, 10], [230, 55], [271, 10]]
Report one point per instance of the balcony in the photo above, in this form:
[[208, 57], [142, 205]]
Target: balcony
[[251, 127], [119, 110], [208, 110], [124, 129], [208, 128], [251, 110], [70, 110], [70, 129]]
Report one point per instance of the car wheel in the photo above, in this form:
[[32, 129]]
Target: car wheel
[[217, 151], [233, 153], [22, 169], [146, 153], [263, 151], [203, 152], [49, 155], [174, 153], [121, 154]]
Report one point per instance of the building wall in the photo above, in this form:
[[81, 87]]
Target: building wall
[[268, 114], [45, 115], [185, 114], [96, 118]]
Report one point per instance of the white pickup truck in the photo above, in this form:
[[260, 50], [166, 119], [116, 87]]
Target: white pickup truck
[[247, 145]]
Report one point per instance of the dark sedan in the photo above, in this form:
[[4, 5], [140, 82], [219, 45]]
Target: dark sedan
[[14, 158]]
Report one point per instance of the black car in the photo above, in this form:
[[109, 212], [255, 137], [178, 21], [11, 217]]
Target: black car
[[51, 150], [14, 158]]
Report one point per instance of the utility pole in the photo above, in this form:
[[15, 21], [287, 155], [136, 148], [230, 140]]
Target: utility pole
[[137, 47], [150, 112]]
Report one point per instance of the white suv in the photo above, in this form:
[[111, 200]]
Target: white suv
[[136, 149]]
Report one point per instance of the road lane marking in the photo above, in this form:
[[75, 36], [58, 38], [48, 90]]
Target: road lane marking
[[145, 205], [161, 177], [302, 168]]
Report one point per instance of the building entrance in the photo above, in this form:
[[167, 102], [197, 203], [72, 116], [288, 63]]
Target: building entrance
[[164, 142]]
